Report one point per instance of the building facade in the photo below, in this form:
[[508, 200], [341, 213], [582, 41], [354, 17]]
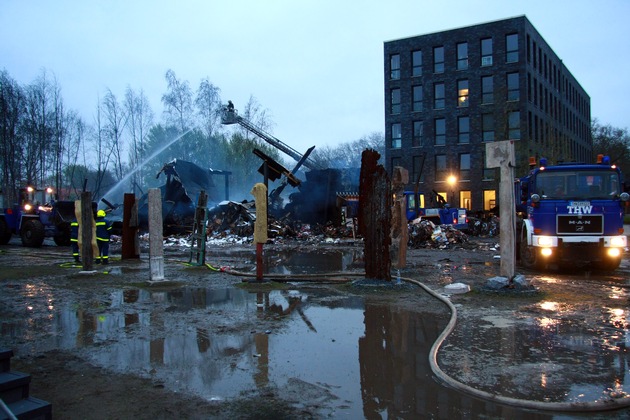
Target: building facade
[[449, 93]]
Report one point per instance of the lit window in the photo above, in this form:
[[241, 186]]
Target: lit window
[[511, 48], [439, 126], [438, 59], [462, 93], [394, 66], [416, 63], [462, 56], [396, 136], [417, 98]]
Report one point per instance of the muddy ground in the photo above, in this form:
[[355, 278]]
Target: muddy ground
[[491, 348]]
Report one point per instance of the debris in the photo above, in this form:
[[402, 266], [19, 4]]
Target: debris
[[425, 234]]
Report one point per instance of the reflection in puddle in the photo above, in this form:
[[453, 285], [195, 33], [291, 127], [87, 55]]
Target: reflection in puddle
[[360, 358]]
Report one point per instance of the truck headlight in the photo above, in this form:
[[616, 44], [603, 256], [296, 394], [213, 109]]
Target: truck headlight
[[544, 241], [614, 252], [617, 241]]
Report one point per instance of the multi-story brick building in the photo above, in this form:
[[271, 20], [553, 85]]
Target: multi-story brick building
[[448, 93]]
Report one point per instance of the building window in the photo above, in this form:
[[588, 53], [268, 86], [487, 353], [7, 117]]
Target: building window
[[462, 56], [514, 125], [486, 52], [394, 66], [396, 136], [511, 48], [438, 59], [418, 133], [465, 199], [463, 130], [464, 166], [417, 98], [441, 172], [416, 63], [395, 101], [439, 127], [416, 169], [487, 127], [513, 92], [462, 92], [487, 89], [489, 199], [438, 96]]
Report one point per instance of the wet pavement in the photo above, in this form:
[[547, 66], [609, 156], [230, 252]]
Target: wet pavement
[[344, 351]]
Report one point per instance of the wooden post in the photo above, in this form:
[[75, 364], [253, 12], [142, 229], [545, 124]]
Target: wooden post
[[375, 206], [400, 231], [130, 243], [87, 230], [156, 238], [501, 154], [260, 227]]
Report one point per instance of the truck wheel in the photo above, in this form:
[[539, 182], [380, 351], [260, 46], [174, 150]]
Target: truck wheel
[[5, 233], [62, 236], [608, 264], [529, 258], [32, 233]]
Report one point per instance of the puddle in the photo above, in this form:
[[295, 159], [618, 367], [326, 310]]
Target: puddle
[[359, 358]]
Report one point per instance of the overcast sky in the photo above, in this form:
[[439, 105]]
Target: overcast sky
[[315, 65]]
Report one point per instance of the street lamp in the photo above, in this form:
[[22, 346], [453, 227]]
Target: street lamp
[[452, 181]]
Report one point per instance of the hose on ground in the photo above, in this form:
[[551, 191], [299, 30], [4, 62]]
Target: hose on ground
[[443, 378]]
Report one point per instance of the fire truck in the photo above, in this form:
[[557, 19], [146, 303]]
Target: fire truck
[[571, 214]]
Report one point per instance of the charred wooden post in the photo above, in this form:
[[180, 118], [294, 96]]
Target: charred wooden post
[[130, 240], [156, 238], [375, 203], [400, 232]]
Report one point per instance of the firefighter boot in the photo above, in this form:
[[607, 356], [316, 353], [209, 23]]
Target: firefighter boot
[[97, 261], [105, 261]]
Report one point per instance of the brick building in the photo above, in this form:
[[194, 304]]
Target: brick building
[[448, 93]]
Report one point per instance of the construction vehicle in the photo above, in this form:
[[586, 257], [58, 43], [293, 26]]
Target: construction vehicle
[[443, 214], [571, 214], [36, 217]]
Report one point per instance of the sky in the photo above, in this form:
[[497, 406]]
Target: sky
[[316, 66]]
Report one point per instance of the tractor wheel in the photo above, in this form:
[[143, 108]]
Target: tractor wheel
[[62, 236], [32, 233], [5, 233]]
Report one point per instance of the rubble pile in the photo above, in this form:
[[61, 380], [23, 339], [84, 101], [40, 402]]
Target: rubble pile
[[483, 226], [425, 234]]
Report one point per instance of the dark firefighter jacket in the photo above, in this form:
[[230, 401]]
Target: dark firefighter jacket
[[103, 229]]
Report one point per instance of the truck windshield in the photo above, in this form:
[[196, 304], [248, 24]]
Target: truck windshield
[[580, 185]]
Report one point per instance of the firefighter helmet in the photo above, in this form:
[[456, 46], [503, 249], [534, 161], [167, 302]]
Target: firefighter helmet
[[100, 213]]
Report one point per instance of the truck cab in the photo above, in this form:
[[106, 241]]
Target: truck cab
[[571, 213]]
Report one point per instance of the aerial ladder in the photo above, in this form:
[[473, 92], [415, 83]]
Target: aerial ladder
[[230, 116]]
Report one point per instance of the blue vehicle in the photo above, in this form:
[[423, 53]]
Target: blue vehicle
[[441, 215], [37, 217], [571, 214]]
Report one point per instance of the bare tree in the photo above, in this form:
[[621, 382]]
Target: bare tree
[[12, 103], [208, 104], [257, 115], [140, 120], [178, 102], [115, 122]]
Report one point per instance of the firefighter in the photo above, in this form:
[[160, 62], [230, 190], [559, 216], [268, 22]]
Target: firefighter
[[103, 232], [74, 239]]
